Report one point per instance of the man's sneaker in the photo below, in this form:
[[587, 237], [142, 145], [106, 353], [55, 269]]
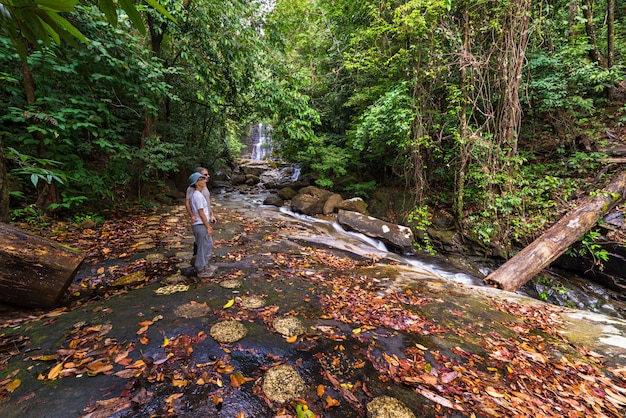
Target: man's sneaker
[[207, 271]]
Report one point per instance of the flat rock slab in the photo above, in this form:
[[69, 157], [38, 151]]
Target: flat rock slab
[[374, 327]]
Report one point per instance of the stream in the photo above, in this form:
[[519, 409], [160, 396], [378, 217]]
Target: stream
[[554, 286]]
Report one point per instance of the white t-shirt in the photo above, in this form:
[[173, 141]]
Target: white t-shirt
[[205, 192], [198, 202]]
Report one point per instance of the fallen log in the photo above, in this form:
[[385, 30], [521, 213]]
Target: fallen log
[[556, 240], [34, 271]]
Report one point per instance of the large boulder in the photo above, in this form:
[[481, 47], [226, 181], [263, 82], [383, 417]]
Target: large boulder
[[356, 204], [398, 236], [310, 200]]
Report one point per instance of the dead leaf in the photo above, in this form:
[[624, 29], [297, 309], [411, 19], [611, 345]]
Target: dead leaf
[[331, 402], [492, 392], [292, 339], [320, 391], [436, 398], [55, 371], [12, 385]]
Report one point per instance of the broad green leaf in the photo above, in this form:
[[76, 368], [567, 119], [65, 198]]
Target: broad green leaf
[[52, 33], [63, 23], [109, 10], [57, 5]]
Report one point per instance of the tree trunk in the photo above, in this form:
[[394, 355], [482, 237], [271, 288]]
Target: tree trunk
[[556, 240], [594, 51], [610, 36], [515, 34], [34, 271]]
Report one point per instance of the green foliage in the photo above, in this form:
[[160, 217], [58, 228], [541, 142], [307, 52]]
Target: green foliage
[[420, 219], [363, 190], [36, 169], [30, 214], [384, 129], [158, 157], [589, 246]]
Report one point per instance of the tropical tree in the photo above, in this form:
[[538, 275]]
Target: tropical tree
[[35, 24]]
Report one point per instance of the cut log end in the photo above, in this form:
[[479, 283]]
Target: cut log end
[[35, 272]]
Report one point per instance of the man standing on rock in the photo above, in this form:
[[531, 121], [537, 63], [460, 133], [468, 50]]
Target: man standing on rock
[[199, 207]]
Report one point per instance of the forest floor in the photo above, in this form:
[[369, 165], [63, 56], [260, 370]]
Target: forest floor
[[135, 336]]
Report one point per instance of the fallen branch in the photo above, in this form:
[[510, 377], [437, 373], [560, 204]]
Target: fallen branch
[[556, 240]]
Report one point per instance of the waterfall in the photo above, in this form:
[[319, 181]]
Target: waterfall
[[260, 145]]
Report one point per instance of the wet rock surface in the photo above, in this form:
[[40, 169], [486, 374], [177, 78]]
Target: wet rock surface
[[372, 327]]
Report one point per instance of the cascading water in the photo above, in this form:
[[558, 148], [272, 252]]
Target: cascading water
[[260, 144]]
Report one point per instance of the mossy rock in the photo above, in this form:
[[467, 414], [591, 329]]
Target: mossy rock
[[388, 407], [283, 384]]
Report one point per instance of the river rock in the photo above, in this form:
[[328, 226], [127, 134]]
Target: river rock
[[238, 179], [252, 179], [273, 200], [331, 203], [287, 193], [310, 200], [356, 204], [398, 236]]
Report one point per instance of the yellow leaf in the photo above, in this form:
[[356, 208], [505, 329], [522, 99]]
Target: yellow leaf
[[55, 371], [12, 385], [219, 382], [166, 342], [229, 303], [356, 331], [292, 339], [421, 347], [178, 383]]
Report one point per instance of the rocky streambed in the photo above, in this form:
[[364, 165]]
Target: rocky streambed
[[290, 325]]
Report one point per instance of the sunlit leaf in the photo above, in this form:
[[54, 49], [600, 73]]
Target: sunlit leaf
[[55, 371], [12, 385]]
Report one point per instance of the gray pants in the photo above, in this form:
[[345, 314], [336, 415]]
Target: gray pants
[[205, 245]]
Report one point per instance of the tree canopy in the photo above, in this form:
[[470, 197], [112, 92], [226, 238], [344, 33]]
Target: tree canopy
[[448, 101]]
